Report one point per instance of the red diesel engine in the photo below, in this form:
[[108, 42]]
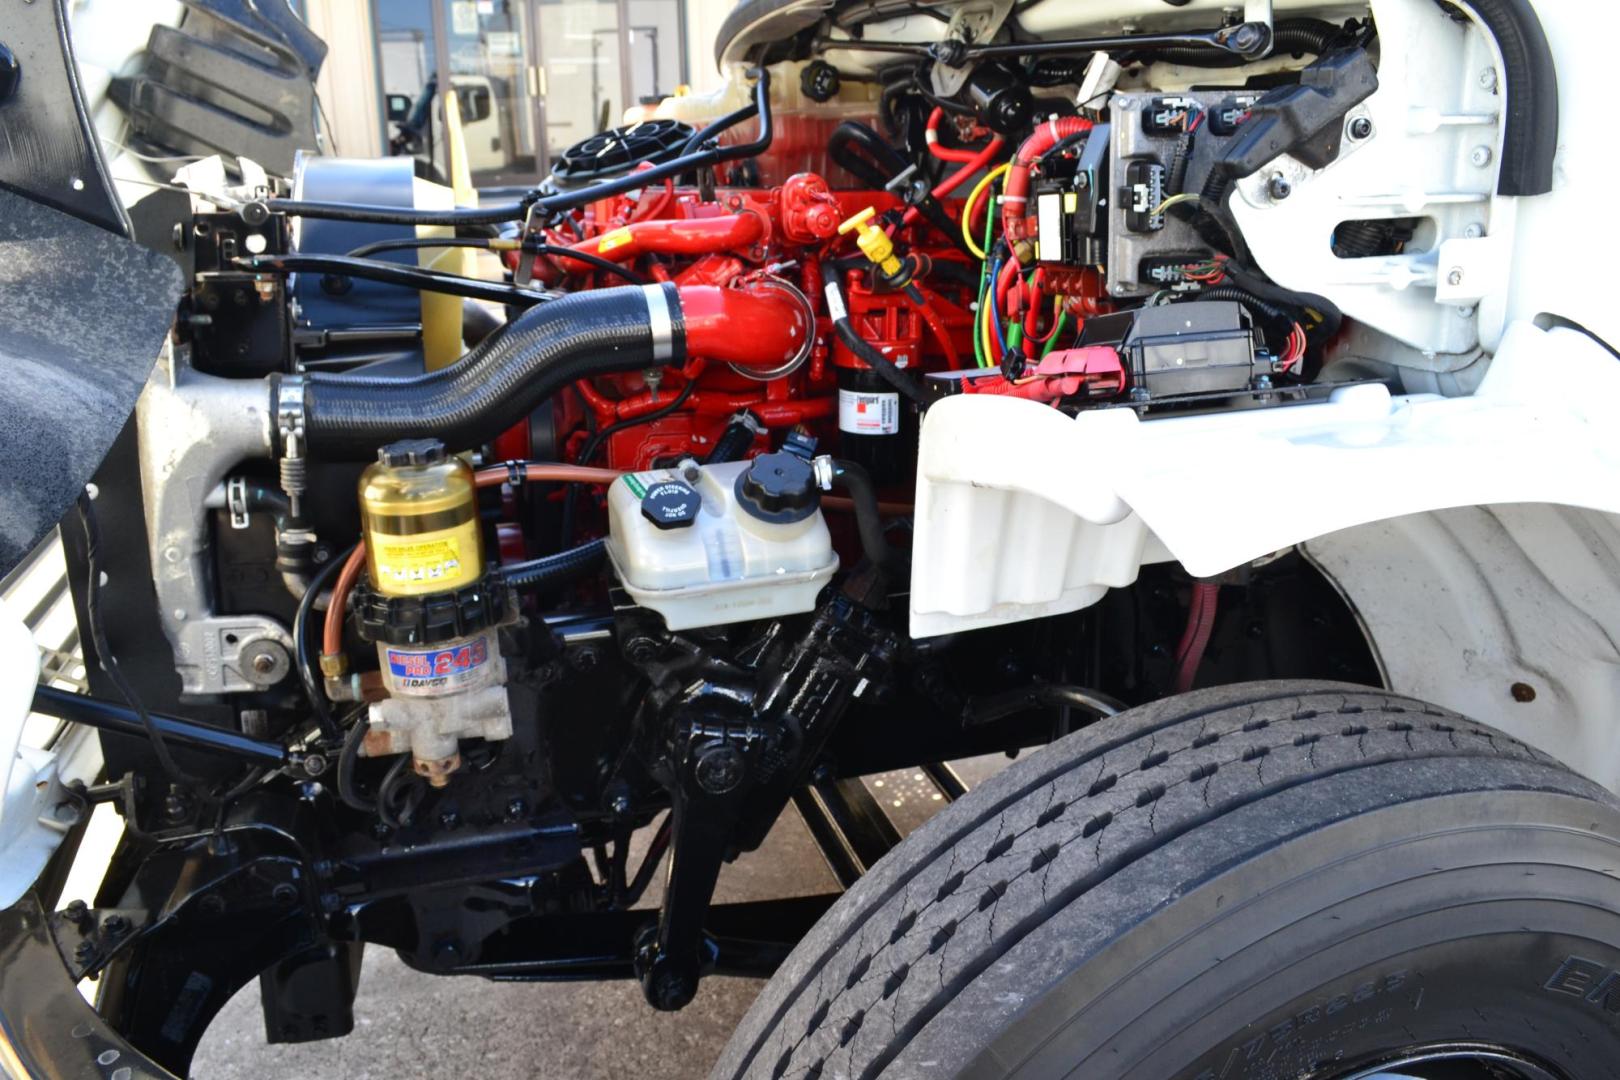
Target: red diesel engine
[[775, 260]]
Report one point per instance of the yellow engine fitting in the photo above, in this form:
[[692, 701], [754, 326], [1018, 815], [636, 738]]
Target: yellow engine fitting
[[873, 241]]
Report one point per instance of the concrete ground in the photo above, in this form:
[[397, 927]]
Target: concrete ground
[[408, 1024]]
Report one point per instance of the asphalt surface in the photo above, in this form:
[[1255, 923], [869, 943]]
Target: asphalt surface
[[410, 1025]]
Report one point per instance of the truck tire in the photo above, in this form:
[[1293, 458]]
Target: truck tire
[[1264, 881]]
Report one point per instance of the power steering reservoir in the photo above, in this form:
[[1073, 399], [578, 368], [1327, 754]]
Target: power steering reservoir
[[704, 545], [430, 608]]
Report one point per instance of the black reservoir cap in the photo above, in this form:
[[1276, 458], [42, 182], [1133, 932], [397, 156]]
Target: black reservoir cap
[[412, 452], [779, 487], [671, 504]]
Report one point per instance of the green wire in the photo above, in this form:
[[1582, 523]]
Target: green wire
[[984, 266], [1057, 331]]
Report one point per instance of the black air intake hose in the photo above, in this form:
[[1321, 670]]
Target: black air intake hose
[[504, 378]]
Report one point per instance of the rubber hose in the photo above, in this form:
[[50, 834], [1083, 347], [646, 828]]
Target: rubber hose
[[862, 349], [546, 349], [880, 164], [551, 571], [1252, 282], [868, 522], [733, 442]]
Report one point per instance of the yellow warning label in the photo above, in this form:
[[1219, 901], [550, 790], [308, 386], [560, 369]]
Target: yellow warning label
[[426, 563], [615, 239]]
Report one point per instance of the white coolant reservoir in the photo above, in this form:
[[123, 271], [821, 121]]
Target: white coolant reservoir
[[711, 544]]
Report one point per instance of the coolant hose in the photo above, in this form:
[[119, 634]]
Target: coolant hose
[[545, 349], [551, 571], [868, 521]]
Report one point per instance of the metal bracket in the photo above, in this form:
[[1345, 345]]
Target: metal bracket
[[193, 429], [971, 24]]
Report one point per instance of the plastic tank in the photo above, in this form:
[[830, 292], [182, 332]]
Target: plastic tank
[[685, 547]]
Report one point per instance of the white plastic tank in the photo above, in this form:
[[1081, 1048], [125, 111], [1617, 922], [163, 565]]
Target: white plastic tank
[[686, 545]]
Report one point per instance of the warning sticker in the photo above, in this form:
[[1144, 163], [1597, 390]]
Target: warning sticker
[[428, 670], [864, 413], [418, 565]]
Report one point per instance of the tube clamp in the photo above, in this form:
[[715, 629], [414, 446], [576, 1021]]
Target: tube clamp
[[661, 322], [290, 415]]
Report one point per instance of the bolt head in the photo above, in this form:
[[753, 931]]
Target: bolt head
[[1455, 276], [1481, 156], [1279, 187], [719, 769], [1361, 128], [1474, 231], [1246, 36]]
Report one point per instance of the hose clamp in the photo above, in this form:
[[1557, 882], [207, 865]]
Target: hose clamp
[[291, 415], [236, 502], [661, 322], [806, 347]]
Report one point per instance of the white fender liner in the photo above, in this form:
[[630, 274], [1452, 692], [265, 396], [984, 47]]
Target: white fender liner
[[1023, 512]]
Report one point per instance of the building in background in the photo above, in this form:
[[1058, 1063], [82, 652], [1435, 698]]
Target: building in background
[[532, 77]]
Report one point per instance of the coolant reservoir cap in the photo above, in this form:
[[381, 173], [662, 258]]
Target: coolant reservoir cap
[[671, 504], [778, 487], [412, 452]]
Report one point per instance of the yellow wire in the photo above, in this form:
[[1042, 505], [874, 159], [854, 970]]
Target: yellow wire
[[1185, 196], [967, 207], [984, 332]]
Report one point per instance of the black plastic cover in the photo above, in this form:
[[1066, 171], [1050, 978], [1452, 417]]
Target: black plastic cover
[[83, 315]]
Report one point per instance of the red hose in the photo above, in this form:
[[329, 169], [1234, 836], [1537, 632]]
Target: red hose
[[697, 236], [332, 629], [935, 147], [1195, 638], [975, 161], [1015, 191]]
